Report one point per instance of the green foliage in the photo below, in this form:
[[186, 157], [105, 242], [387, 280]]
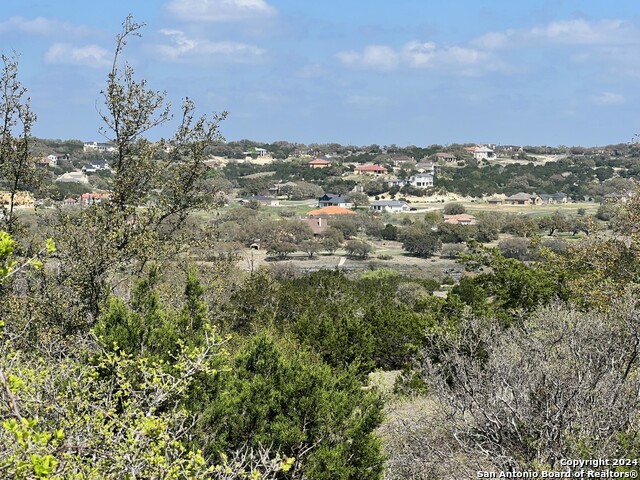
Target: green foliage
[[281, 250], [418, 239], [358, 248], [281, 395], [513, 285], [454, 209], [390, 232]]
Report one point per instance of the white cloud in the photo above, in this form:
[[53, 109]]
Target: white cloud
[[564, 32], [88, 55], [467, 61], [183, 48], [419, 54], [221, 10], [374, 57], [608, 99], [41, 26]]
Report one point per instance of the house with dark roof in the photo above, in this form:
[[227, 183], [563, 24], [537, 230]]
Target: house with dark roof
[[522, 198], [550, 198], [332, 200]]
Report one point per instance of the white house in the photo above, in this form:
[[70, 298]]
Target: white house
[[421, 180], [393, 206], [483, 153], [98, 147]]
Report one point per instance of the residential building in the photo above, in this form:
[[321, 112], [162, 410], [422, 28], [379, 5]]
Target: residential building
[[483, 153], [522, 198], [332, 200], [98, 147], [421, 180], [93, 198], [558, 197], [393, 206], [461, 219], [262, 200], [318, 225], [375, 170], [319, 163], [96, 165], [428, 167], [446, 157]]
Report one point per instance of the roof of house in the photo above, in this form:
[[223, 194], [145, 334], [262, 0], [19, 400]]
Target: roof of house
[[445, 155], [461, 218], [319, 161], [389, 203], [330, 211], [483, 150], [333, 198], [521, 196], [422, 175], [553, 195], [262, 198], [370, 168]]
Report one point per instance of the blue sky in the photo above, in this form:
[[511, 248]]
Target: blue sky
[[403, 72]]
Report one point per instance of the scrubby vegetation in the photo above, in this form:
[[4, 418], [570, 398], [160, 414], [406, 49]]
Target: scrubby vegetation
[[133, 345]]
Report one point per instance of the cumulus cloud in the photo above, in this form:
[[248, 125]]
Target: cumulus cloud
[[564, 32], [420, 55], [183, 48], [88, 55], [608, 99], [221, 10], [374, 57], [41, 26]]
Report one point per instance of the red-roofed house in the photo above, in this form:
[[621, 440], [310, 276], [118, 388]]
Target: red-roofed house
[[461, 219], [319, 163], [370, 170]]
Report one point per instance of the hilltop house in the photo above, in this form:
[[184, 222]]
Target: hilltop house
[[319, 163], [446, 157], [428, 167], [98, 147], [375, 170], [96, 165], [419, 180], [483, 153]]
